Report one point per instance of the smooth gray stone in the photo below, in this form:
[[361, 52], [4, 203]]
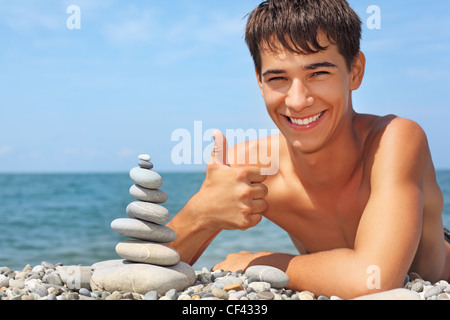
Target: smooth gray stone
[[224, 281], [4, 281], [124, 276], [260, 286], [147, 252], [53, 278], [151, 295], [277, 278], [145, 165], [146, 178], [36, 287], [148, 195], [75, 277], [143, 230], [148, 212], [144, 157]]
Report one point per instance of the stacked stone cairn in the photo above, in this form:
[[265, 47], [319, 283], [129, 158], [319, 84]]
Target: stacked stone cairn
[[149, 265]]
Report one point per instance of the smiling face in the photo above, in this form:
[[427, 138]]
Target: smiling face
[[309, 96]]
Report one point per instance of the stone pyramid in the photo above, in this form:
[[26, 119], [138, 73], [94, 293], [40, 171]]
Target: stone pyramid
[[145, 219], [149, 265]]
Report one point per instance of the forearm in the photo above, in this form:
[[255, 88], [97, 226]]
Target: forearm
[[338, 272], [193, 235]]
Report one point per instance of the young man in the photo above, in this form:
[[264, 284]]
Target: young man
[[356, 193]]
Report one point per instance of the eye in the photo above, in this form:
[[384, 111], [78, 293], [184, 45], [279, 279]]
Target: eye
[[277, 79], [319, 73]]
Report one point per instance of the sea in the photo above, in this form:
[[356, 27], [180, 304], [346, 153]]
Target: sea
[[65, 218]]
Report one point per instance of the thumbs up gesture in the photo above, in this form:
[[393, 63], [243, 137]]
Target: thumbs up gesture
[[234, 196]]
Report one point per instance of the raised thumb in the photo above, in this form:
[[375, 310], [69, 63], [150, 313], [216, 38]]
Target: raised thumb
[[219, 154]]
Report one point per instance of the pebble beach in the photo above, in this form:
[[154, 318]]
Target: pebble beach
[[48, 281]]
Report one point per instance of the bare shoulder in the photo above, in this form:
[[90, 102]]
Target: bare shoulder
[[396, 129], [259, 152], [398, 146]]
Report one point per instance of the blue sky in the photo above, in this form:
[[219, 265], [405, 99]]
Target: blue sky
[[93, 99]]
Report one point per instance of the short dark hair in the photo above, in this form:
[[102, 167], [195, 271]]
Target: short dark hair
[[296, 25]]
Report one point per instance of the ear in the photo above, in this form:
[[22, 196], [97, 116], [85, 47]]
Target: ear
[[358, 71], [258, 78]]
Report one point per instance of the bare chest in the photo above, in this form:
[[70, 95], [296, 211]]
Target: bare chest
[[317, 220]]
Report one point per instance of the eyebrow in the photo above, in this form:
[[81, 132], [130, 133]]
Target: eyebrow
[[309, 67], [319, 65]]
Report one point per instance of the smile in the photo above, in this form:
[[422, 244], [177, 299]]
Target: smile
[[305, 121]]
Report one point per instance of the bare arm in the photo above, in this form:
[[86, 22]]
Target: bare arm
[[229, 199], [388, 233]]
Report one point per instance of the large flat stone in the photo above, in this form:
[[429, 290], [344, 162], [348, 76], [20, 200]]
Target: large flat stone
[[124, 276]]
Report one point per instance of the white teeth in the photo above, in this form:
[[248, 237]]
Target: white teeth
[[307, 121]]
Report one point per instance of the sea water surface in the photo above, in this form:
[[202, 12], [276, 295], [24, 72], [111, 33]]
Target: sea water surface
[[66, 218]]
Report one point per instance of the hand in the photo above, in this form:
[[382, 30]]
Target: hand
[[234, 196], [240, 261]]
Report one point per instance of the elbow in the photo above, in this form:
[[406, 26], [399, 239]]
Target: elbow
[[373, 283]]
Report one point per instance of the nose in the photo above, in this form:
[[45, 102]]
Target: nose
[[298, 97]]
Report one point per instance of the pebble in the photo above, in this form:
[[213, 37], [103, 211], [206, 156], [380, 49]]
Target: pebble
[[146, 178], [147, 211], [145, 165], [172, 294], [224, 281], [277, 278], [143, 230], [203, 285], [148, 195], [144, 157], [233, 286], [151, 295], [220, 293], [147, 252], [266, 295], [434, 291], [260, 286], [237, 295], [75, 277], [84, 292], [4, 281], [51, 296], [417, 287], [306, 295], [53, 278], [35, 286]]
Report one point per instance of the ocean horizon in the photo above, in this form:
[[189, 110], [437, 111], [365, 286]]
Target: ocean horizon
[[66, 217]]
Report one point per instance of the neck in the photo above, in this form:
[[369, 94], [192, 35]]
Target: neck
[[334, 165]]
